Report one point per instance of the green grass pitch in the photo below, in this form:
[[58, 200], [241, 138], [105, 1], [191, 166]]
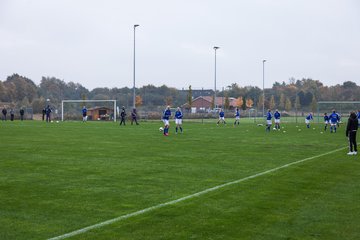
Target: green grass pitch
[[61, 177]]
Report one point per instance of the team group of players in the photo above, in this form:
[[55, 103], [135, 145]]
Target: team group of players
[[333, 120]]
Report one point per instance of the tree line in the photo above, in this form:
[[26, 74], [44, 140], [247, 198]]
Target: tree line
[[20, 91]]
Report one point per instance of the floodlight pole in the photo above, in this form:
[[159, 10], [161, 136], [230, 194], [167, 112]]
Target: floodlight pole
[[136, 25], [215, 48], [263, 88]]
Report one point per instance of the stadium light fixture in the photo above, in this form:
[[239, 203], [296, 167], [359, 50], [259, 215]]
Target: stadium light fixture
[[263, 87], [215, 48], [134, 98]]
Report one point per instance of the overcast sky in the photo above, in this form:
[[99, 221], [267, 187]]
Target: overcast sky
[[91, 41]]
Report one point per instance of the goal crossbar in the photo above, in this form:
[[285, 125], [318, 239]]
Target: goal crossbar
[[83, 101]]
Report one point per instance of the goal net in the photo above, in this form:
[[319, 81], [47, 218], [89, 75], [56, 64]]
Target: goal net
[[97, 110], [343, 108]]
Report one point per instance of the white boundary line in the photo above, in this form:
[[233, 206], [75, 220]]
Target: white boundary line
[[129, 215]]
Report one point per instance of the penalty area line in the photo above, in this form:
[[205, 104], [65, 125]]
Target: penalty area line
[[149, 209]]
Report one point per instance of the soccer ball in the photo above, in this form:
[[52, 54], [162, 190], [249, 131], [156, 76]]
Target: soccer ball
[[161, 129], [274, 128]]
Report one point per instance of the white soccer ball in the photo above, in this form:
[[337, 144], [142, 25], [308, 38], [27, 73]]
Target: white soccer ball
[[57, 121], [274, 128], [161, 129]]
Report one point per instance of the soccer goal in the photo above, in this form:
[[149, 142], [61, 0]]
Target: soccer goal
[[97, 110], [341, 107]]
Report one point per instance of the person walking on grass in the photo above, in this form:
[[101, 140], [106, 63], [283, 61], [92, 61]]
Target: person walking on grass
[[334, 121], [134, 117], [4, 112], [237, 117], [48, 113], [351, 130], [178, 120], [277, 117], [84, 114], [22, 112], [12, 114], [268, 121], [326, 121], [221, 117], [122, 116], [165, 118], [308, 119]]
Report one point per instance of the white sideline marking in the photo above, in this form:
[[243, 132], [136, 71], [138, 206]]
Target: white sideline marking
[[126, 216]]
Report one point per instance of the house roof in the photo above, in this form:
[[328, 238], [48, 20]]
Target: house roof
[[219, 100]]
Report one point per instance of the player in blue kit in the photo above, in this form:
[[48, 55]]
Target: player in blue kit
[[178, 120], [84, 113], [268, 120], [221, 117], [277, 116], [237, 116], [165, 119], [326, 121], [333, 119], [308, 119], [358, 117]]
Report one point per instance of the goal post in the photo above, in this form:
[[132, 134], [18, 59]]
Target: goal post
[[112, 104], [341, 107]]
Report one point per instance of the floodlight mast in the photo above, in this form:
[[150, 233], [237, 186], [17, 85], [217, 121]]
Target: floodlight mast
[[134, 98], [215, 105], [263, 87]]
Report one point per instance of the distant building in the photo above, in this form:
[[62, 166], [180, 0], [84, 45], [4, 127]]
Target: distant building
[[100, 113], [198, 92], [204, 104]]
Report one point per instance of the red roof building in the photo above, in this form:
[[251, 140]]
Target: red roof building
[[204, 103]]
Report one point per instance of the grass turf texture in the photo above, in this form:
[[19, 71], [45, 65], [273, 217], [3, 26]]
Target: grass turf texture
[[57, 178]]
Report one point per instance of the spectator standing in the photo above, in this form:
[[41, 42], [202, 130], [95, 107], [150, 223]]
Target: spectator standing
[[134, 117], [22, 112], [351, 130], [12, 114], [4, 112], [48, 113], [122, 116]]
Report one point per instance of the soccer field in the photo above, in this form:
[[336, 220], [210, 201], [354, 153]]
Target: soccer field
[[211, 182]]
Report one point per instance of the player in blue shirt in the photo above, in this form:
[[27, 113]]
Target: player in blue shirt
[[339, 119], [165, 118], [178, 120], [237, 116], [358, 117], [48, 113], [308, 119], [268, 120], [333, 119], [277, 116], [326, 121], [84, 113], [221, 117]]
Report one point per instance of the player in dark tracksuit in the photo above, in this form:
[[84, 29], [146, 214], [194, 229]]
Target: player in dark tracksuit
[[48, 113], [326, 121], [351, 130], [22, 112], [134, 117], [122, 115], [4, 112]]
